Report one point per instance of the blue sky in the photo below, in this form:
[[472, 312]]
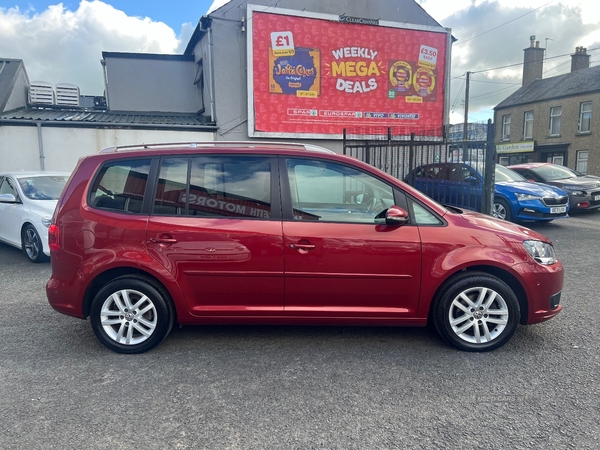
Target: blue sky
[[62, 42], [173, 13]]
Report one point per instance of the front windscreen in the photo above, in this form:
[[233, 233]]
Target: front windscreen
[[504, 174], [555, 172]]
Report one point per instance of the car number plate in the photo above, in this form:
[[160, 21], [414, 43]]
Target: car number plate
[[558, 209], [596, 198]]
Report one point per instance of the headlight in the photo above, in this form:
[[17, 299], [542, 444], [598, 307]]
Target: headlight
[[46, 221], [542, 252], [523, 197], [575, 190]]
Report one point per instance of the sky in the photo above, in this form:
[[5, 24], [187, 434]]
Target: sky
[[62, 42]]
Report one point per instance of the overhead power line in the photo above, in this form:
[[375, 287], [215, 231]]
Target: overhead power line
[[521, 63], [506, 23]]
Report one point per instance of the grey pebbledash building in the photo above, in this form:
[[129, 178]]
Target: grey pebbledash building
[[205, 93], [554, 119]]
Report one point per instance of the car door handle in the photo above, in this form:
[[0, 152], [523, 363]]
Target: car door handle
[[163, 240], [305, 247]]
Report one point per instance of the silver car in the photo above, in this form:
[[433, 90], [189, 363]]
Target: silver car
[[583, 190]]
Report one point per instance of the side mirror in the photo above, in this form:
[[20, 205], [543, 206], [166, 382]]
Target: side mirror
[[7, 198], [394, 215]]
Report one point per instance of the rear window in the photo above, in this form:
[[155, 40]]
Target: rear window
[[120, 186]]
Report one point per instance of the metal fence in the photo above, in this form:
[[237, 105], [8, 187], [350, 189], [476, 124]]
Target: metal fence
[[456, 173]]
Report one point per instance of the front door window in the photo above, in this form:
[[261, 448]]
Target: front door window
[[328, 192]]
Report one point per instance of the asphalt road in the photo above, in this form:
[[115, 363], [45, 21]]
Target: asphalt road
[[302, 387]]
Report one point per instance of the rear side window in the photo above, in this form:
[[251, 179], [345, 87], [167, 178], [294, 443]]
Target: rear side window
[[120, 186], [214, 186]]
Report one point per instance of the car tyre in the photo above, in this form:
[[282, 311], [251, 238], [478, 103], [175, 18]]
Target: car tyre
[[476, 312], [31, 244], [131, 315], [502, 209]]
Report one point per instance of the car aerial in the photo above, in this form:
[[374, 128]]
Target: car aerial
[[27, 201], [515, 198], [145, 237], [583, 190]]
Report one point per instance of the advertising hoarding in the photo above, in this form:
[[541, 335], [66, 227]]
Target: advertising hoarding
[[312, 75]]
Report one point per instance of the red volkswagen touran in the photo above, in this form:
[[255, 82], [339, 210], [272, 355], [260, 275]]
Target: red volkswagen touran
[[148, 236]]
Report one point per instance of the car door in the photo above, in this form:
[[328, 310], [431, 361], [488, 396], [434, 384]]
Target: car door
[[215, 225], [338, 261], [431, 179], [11, 216], [465, 186]]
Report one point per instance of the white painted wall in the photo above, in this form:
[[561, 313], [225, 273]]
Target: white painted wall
[[62, 146]]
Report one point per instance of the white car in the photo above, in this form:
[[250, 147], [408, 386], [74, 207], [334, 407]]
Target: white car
[[27, 202]]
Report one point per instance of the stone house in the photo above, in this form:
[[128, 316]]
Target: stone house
[[552, 119]]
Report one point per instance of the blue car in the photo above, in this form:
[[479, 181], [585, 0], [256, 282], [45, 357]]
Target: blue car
[[515, 198]]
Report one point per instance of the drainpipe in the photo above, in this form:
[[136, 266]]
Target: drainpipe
[[41, 145], [212, 75], [105, 73]]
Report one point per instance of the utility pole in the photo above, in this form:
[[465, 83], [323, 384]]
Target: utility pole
[[466, 123], [546, 52]]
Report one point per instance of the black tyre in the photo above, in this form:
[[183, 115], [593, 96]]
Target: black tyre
[[131, 315], [31, 244], [476, 312], [502, 209]]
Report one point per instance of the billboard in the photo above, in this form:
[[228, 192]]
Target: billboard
[[312, 75]]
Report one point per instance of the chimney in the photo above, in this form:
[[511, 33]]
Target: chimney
[[580, 59], [533, 63]]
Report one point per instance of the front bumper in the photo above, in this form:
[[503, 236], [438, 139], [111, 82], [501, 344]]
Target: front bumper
[[543, 287]]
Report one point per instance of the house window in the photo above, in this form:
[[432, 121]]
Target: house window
[[585, 117], [528, 125], [555, 114], [582, 160], [506, 128]]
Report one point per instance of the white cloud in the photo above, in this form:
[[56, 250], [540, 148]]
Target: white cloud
[[62, 46], [559, 27], [440, 9], [216, 5]]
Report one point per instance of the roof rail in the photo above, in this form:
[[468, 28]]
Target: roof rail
[[220, 144]]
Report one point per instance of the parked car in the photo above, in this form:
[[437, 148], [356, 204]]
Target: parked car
[[230, 233], [27, 201], [515, 198], [583, 190]]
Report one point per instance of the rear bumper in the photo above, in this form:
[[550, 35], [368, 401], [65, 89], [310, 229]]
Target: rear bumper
[[60, 296]]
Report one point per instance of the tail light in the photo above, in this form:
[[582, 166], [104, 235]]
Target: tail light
[[54, 238]]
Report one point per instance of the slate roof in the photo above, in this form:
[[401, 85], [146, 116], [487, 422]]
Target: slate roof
[[574, 83], [118, 119]]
